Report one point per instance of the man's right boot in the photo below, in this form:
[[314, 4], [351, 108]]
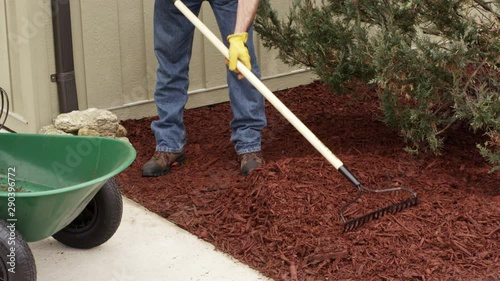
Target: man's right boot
[[161, 162]]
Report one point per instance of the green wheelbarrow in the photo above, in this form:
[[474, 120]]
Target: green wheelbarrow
[[59, 186]]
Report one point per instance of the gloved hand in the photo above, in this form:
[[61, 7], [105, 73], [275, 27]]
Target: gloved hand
[[238, 51]]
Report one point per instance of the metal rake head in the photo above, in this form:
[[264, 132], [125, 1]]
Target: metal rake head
[[351, 224]]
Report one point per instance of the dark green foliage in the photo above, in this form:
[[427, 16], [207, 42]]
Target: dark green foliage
[[434, 63]]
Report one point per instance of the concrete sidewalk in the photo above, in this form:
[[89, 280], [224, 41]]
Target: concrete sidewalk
[[146, 247]]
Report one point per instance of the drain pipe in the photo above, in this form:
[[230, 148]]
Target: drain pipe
[[63, 45]]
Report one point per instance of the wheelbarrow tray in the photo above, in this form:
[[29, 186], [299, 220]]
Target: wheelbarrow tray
[[54, 178]]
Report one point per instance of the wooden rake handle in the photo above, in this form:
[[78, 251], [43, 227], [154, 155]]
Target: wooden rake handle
[[320, 147]]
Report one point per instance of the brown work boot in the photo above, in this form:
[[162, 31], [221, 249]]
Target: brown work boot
[[161, 162], [250, 161]]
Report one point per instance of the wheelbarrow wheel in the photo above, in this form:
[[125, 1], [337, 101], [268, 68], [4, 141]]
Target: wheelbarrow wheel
[[98, 222], [16, 260]]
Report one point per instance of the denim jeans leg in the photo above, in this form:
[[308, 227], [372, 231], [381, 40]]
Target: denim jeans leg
[[247, 103], [173, 39]]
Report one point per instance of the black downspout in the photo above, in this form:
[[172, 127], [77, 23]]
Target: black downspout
[[63, 45]]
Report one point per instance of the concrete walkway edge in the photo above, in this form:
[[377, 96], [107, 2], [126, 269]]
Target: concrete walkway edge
[[146, 247]]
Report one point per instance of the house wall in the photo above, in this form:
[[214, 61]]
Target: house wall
[[115, 63], [26, 62]]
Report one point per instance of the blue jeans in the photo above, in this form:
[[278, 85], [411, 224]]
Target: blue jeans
[[173, 47]]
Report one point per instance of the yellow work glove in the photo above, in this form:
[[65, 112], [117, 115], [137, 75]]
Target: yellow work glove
[[238, 51]]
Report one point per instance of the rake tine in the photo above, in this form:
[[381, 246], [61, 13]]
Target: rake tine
[[392, 209]]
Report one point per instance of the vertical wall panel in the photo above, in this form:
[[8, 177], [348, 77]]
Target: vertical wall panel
[[102, 52], [4, 51], [27, 33], [132, 50]]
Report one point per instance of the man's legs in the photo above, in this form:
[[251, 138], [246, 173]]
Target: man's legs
[[247, 103], [173, 45], [173, 39]]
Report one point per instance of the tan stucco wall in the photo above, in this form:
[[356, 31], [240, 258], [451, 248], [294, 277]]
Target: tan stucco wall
[[26, 62], [115, 63]]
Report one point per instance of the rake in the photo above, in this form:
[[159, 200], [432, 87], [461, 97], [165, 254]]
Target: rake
[[349, 224]]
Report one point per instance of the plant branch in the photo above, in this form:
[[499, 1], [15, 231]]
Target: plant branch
[[485, 6]]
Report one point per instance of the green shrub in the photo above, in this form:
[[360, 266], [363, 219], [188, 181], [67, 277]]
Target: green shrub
[[434, 63]]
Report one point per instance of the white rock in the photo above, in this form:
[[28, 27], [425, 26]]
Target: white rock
[[99, 120], [51, 130]]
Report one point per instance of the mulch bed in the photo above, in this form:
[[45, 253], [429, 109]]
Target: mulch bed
[[283, 219]]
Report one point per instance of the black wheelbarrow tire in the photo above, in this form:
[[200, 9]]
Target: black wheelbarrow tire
[[98, 222], [23, 268]]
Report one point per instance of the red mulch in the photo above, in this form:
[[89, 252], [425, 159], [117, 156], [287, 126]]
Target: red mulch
[[283, 220]]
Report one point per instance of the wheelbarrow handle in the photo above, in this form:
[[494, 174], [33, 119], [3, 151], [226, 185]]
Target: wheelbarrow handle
[[261, 88]]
